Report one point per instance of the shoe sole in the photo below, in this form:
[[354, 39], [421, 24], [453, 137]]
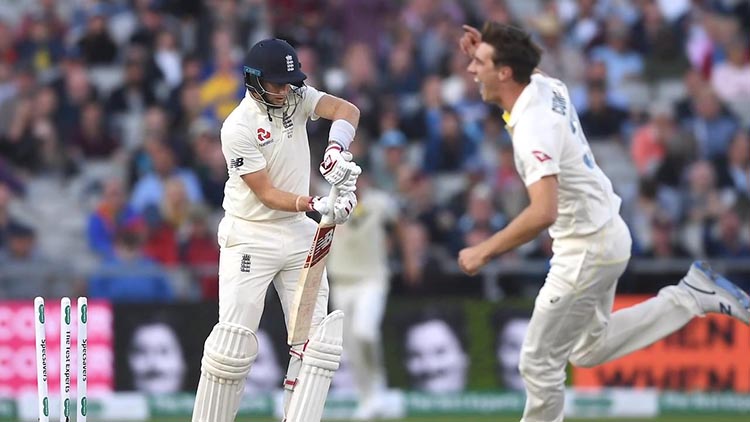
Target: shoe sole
[[728, 290]]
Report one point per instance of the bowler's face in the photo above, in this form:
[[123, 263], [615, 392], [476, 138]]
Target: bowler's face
[[485, 72]]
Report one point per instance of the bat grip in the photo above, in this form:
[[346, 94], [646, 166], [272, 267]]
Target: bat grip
[[328, 217]]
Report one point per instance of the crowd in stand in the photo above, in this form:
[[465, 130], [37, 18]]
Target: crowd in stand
[[111, 171]]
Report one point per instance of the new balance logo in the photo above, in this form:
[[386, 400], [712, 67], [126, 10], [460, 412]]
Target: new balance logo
[[725, 309], [236, 163], [245, 263]]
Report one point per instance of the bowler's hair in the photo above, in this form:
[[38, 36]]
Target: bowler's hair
[[513, 48]]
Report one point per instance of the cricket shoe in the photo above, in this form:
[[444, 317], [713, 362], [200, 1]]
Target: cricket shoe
[[715, 294]]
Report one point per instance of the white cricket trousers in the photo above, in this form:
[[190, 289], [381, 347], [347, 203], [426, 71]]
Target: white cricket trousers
[[572, 318], [363, 302], [254, 254]]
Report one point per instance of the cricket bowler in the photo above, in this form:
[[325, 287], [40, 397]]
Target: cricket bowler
[[571, 196], [265, 235]]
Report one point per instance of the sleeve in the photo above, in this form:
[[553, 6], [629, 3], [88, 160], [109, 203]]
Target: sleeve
[[241, 153], [538, 148], [310, 98]]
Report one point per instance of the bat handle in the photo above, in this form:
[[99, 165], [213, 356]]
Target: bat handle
[[328, 217]]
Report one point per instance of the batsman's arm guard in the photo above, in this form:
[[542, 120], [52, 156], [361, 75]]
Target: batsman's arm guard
[[321, 357]]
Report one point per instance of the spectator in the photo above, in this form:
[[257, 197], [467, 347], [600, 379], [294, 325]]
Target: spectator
[[149, 189], [96, 44], [702, 203], [167, 223], [731, 78], [448, 150], [7, 222], [664, 244], [91, 139], [128, 276], [623, 64], [26, 272], [729, 239], [649, 145], [201, 253], [111, 215], [734, 167], [602, 120], [560, 59], [480, 220], [712, 129]]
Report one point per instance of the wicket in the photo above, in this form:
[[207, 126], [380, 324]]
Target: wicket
[[65, 362]]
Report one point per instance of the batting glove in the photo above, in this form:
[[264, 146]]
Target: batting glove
[[343, 207], [337, 171]]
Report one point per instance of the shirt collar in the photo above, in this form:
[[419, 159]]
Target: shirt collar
[[528, 93]]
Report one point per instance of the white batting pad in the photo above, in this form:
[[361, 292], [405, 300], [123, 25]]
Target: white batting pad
[[229, 352], [320, 359]]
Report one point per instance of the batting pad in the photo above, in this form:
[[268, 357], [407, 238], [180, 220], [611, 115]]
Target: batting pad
[[320, 359], [229, 352]]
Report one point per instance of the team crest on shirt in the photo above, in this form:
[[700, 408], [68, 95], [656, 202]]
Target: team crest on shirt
[[264, 137], [541, 156]]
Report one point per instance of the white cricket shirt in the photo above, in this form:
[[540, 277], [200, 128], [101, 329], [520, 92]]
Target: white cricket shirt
[[360, 249], [250, 142], [548, 140]]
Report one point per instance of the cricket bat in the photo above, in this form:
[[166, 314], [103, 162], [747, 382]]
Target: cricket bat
[[308, 284]]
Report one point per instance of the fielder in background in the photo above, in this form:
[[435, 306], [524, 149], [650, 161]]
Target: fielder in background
[[265, 234], [358, 269], [571, 196]]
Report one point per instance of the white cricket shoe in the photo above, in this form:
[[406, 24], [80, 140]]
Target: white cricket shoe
[[715, 294], [368, 410]]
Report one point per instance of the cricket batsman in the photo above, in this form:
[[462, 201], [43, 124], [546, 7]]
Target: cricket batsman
[[265, 235], [571, 196]]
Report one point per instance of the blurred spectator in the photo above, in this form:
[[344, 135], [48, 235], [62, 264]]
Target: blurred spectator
[[135, 94], [601, 119], [128, 276], [26, 272], [166, 223], [91, 139], [41, 48], [223, 88], [111, 215], [712, 129], [392, 169], [8, 52], [168, 58], [660, 42], [623, 64], [448, 150], [664, 243], [649, 145], [731, 78], [585, 27], [729, 239], [96, 44], [149, 189], [702, 204], [7, 222], [480, 220], [507, 183], [560, 59], [734, 167], [200, 251]]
